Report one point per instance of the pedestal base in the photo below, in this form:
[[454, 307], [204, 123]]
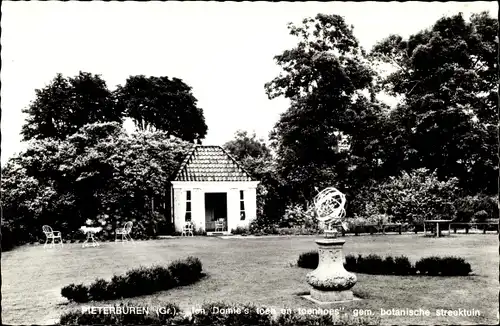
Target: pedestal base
[[331, 296]]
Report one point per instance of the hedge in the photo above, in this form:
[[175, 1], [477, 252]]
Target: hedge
[[210, 314], [136, 282], [443, 266], [374, 264]]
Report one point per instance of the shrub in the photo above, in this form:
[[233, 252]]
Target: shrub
[[350, 263], [371, 264], [445, 266], [388, 266], [195, 265], [75, 292], [468, 206], [308, 260], [296, 319], [296, 215], [185, 272], [8, 238], [173, 317], [243, 315], [374, 264], [454, 266], [480, 216], [249, 316], [402, 266], [139, 281], [118, 286], [240, 230], [409, 197], [99, 290], [161, 278]]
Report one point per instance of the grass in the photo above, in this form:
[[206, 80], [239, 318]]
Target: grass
[[255, 271]]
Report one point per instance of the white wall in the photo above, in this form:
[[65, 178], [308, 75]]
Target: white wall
[[198, 190]]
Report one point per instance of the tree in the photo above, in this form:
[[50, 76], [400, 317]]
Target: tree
[[448, 78], [160, 103], [67, 104], [410, 197], [256, 159], [98, 172], [330, 85], [243, 145]]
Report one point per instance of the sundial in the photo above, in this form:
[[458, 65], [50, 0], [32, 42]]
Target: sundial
[[329, 206], [330, 281]]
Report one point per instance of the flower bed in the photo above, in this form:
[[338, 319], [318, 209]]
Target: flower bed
[[374, 264], [137, 282]]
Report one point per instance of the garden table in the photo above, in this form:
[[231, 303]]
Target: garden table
[[90, 232], [438, 232]]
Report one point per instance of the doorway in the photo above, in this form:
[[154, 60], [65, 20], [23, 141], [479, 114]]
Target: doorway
[[215, 209]]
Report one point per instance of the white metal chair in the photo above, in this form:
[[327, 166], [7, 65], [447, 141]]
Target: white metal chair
[[52, 235], [220, 225], [187, 229], [124, 232]]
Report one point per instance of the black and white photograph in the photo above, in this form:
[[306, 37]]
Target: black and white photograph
[[249, 163]]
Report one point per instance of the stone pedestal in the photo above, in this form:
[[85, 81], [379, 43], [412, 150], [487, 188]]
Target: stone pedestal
[[330, 281]]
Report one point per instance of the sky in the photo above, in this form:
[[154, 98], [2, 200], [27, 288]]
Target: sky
[[223, 50]]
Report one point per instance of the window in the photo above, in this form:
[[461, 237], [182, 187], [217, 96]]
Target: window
[[242, 205], [188, 206]]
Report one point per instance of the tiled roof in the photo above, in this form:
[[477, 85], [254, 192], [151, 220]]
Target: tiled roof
[[210, 163]]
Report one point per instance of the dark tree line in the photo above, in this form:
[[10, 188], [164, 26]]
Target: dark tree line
[[447, 77], [153, 103]]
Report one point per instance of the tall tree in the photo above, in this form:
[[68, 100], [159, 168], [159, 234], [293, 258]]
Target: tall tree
[[67, 104], [448, 78], [98, 170], [244, 145], [160, 103], [256, 159], [330, 83]]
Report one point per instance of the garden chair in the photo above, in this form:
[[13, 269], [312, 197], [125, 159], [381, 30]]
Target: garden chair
[[187, 229], [51, 235], [220, 225], [124, 232]]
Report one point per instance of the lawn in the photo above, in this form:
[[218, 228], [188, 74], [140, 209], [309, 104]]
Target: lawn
[[256, 271]]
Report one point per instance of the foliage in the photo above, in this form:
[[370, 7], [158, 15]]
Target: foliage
[[443, 266], [209, 314], [308, 259], [402, 266], [447, 77], [240, 231], [171, 315], [185, 271], [77, 292], [469, 206], [374, 264], [410, 197], [330, 84], [297, 319], [67, 104], [242, 314], [8, 237], [256, 158], [244, 145], [136, 282], [99, 173], [161, 103], [295, 215]]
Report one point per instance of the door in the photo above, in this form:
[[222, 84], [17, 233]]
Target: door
[[215, 209]]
